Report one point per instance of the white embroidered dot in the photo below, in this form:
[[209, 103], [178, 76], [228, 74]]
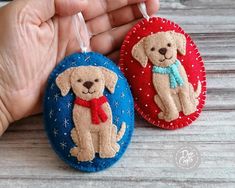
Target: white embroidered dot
[[133, 76], [126, 53], [146, 105], [149, 83], [182, 60], [190, 52], [144, 28], [140, 89], [136, 98], [138, 37], [126, 69], [142, 72], [148, 95], [132, 61], [151, 33], [192, 65], [161, 28], [149, 66], [134, 31]]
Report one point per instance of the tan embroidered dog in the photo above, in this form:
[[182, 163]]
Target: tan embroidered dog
[[94, 131], [174, 92]]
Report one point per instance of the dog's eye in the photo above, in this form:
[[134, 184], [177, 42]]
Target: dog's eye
[[79, 80], [169, 44], [152, 49], [96, 80]]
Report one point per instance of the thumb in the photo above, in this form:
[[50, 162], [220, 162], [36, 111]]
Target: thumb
[[43, 10]]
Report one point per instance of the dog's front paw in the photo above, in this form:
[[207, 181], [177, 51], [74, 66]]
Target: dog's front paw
[[107, 152], [85, 155], [171, 116], [189, 109]]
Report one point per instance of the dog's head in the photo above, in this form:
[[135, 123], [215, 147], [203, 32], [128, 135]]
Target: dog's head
[[87, 82], [160, 48]]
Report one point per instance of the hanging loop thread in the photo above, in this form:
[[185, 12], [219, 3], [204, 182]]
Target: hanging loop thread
[[81, 32], [143, 9]]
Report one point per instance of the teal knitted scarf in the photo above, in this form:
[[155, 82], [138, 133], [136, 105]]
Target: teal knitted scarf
[[173, 73]]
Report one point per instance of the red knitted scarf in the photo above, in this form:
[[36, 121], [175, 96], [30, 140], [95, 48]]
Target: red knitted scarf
[[95, 105]]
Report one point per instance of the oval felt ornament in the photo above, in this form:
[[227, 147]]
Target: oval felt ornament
[[88, 112], [165, 71]]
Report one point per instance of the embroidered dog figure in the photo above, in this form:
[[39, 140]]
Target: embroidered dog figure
[[174, 92], [94, 131]]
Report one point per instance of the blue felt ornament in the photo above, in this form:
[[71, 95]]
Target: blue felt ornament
[[64, 111]]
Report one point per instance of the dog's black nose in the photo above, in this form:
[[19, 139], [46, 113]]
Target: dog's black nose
[[163, 51], [88, 84]]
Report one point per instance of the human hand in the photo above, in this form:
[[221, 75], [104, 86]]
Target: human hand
[[36, 35]]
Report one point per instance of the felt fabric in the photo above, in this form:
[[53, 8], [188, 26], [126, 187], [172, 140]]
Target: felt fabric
[[95, 105], [59, 110], [88, 83], [172, 96], [173, 73], [140, 52]]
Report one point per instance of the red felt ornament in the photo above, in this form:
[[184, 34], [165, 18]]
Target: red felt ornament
[[141, 76]]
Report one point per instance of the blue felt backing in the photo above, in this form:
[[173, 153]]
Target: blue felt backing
[[58, 112]]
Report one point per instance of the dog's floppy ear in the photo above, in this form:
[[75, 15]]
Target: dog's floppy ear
[[63, 81], [138, 52], [111, 79], [180, 41]]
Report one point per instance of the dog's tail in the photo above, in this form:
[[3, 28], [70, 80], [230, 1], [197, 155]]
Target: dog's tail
[[121, 132], [199, 89]]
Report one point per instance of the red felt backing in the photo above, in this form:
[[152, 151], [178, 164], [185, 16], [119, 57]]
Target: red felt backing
[[140, 79]]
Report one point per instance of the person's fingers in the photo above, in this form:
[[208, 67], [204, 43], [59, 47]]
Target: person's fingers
[[114, 56], [37, 12], [111, 40], [99, 7], [152, 6], [119, 17], [70, 7]]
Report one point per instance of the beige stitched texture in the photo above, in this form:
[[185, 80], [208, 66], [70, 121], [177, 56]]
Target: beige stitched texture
[[161, 49], [89, 138]]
